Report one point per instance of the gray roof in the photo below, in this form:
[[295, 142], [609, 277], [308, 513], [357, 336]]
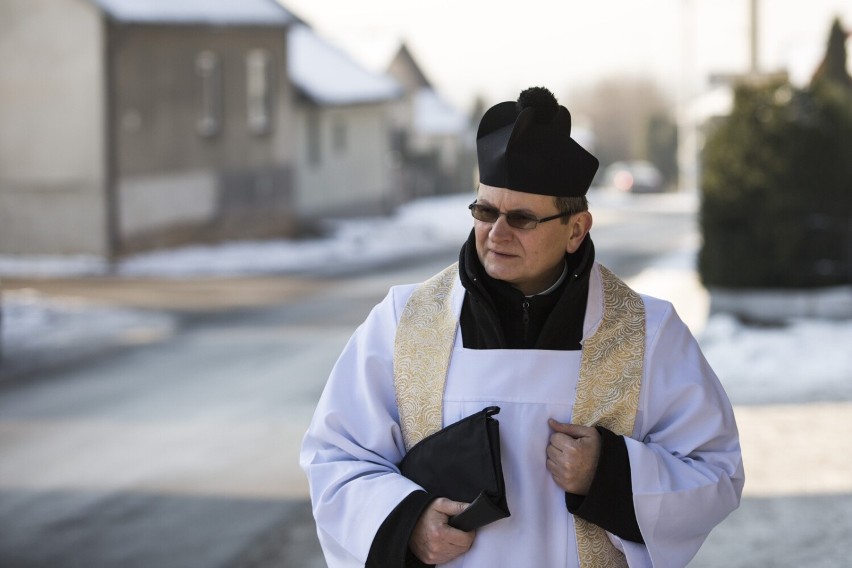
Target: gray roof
[[328, 76], [209, 12]]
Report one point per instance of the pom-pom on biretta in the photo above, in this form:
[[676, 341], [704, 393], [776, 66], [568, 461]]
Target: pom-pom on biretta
[[542, 100], [526, 145]]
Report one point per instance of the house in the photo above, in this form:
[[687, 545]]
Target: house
[[345, 161], [131, 124], [435, 139]]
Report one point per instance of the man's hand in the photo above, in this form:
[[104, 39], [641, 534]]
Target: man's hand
[[433, 540], [572, 456]]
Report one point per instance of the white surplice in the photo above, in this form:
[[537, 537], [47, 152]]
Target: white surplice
[[684, 452]]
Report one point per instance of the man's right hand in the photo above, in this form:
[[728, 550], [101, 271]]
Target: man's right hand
[[433, 540]]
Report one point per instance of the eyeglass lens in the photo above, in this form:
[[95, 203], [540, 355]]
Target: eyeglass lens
[[490, 215]]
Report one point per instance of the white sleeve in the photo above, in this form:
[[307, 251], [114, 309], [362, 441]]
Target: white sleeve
[[685, 459], [354, 442]]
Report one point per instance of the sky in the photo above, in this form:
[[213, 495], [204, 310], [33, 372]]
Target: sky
[[495, 49]]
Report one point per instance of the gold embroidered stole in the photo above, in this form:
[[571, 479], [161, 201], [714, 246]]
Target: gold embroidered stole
[[422, 349], [607, 391]]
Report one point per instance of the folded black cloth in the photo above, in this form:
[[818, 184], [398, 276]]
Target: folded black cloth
[[462, 462]]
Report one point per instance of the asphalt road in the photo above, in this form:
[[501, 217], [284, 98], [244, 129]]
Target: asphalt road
[[181, 451]]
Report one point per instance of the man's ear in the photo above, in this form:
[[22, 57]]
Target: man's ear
[[579, 225]]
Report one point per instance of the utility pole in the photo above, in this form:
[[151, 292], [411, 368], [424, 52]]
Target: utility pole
[[687, 148], [111, 195], [754, 36]]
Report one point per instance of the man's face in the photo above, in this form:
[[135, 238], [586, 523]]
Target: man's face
[[528, 259]]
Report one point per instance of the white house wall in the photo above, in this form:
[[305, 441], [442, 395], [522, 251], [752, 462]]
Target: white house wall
[[349, 180], [152, 202], [52, 133]]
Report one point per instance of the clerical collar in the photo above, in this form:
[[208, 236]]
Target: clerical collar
[[556, 284]]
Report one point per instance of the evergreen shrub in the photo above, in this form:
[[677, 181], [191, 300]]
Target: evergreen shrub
[[776, 206]]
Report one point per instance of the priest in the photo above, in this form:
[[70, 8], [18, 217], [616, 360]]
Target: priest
[[617, 442]]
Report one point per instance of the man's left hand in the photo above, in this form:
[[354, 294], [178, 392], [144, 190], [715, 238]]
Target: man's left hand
[[572, 456]]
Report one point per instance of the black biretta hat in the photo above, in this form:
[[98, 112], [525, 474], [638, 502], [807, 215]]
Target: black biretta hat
[[527, 146]]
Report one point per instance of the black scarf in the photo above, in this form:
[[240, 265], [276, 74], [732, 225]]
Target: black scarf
[[496, 315]]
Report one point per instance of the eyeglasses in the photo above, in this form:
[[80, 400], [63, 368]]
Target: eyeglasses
[[515, 219]]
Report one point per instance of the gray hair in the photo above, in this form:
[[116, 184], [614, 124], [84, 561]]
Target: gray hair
[[571, 205]]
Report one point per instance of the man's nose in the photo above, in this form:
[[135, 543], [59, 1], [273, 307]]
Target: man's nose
[[500, 229]]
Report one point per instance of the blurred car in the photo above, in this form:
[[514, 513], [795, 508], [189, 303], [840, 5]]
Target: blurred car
[[636, 176]]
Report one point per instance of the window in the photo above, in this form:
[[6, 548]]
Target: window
[[208, 69], [314, 141], [259, 81], [339, 136]]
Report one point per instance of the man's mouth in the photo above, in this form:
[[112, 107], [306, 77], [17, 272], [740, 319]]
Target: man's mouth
[[501, 254]]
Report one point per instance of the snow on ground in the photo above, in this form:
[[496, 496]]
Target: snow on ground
[[804, 360], [422, 227], [38, 332]]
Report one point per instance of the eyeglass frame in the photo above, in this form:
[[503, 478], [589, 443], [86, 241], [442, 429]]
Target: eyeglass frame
[[517, 214]]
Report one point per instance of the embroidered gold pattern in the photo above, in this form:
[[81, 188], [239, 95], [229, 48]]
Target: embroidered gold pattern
[[608, 393], [422, 349]]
